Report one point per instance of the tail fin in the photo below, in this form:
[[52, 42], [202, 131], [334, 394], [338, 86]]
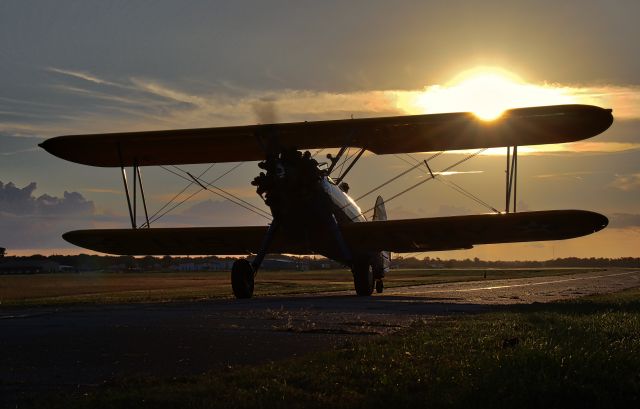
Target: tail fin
[[379, 211], [382, 259]]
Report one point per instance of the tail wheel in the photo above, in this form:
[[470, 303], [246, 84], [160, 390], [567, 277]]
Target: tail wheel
[[379, 286], [363, 278], [242, 281]]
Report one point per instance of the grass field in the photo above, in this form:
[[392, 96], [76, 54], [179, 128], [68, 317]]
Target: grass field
[[578, 354], [47, 289]]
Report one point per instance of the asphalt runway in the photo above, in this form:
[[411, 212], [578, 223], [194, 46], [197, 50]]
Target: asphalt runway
[[68, 348]]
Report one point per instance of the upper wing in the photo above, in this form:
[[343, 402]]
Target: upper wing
[[399, 134], [440, 233]]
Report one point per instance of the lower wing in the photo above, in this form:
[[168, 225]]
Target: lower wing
[[401, 236]]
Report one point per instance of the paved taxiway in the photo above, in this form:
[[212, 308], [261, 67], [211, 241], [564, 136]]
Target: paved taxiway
[[49, 348]]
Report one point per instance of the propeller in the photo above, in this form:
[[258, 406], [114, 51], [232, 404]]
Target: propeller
[[265, 111], [266, 114]]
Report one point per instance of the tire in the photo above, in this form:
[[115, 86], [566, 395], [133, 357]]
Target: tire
[[363, 279], [242, 281], [380, 264], [379, 286]]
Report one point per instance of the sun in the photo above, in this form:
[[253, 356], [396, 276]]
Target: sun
[[487, 92]]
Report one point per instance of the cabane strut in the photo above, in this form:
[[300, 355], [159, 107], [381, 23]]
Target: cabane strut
[[511, 179], [137, 179]]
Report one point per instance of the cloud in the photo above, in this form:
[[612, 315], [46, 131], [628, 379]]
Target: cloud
[[624, 220], [625, 100], [21, 201], [566, 175], [96, 105], [17, 145], [627, 183], [29, 221], [582, 147], [471, 96], [101, 190], [19, 152], [34, 222], [460, 172], [558, 149], [81, 75], [163, 91]]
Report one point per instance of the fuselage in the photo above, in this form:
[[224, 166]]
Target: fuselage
[[344, 207], [307, 203]]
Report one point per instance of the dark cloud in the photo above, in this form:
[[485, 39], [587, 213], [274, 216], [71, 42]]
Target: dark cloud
[[21, 201], [29, 221], [38, 221], [371, 44], [624, 220]]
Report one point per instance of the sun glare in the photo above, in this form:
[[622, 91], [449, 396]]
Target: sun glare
[[487, 92]]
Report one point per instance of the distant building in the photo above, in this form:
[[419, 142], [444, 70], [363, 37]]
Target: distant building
[[212, 265], [29, 267], [284, 264], [225, 265]]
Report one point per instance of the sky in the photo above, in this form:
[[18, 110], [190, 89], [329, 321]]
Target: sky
[[74, 67]]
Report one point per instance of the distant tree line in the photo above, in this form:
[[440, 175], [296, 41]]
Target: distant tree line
[[428, 262], [86, 262]]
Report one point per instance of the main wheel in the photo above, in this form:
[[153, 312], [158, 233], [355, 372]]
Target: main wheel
[[362, 278], [242, 278]]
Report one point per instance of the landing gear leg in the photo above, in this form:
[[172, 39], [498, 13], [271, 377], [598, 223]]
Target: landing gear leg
[[361, 268], [380, 267], [243, 272]]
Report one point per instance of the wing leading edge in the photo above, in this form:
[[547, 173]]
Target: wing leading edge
[[399, 134], [430, 234]]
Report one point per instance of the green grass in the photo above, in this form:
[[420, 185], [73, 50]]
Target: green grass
[[578, 354], [102, 288]]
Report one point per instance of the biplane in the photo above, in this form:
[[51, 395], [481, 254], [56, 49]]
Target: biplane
[[312, 211]]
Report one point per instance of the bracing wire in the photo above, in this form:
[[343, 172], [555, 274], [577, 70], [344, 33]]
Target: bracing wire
[[207, 185], [397, 176], [174, 206], [257, 210], [226, 195], [468, 194], [152, 217], [455, 187], [387, 182], [344, 161], [248, 206], [428, 179]]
